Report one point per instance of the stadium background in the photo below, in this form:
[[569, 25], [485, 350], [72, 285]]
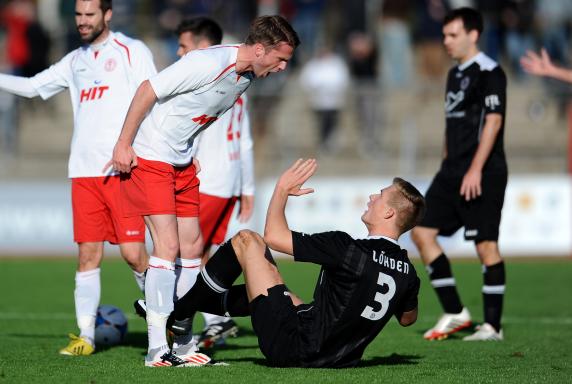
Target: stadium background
[[408, 87]]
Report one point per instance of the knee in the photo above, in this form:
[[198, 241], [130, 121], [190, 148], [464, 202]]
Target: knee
[[246, 240], [488, 252], [420, 236], [136, 256]]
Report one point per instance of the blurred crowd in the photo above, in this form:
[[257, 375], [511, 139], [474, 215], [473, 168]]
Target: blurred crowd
[[369, 46]]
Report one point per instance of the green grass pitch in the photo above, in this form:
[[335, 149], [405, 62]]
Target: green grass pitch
[[36, 313]]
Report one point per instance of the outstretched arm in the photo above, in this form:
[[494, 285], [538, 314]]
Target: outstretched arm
[[277, 234], [124, 158], [541, 65], [17, 85]]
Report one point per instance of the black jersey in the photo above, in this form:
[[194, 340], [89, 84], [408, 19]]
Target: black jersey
[[474, 89], [361, 285]]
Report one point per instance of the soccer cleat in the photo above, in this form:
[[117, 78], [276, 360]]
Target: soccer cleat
[[167, 359], [78, 346], [448, 324], [485, 332], [217, 332]]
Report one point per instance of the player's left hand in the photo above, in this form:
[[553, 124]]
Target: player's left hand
[[294, 177], [471, 185], [246, 208]]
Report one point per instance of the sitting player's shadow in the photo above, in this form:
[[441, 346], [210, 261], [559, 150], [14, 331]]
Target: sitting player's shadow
[[393, 359]]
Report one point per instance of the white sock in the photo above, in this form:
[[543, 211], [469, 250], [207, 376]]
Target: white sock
[[213, 319], [86, 295], [187, 271], [140, 280], [159, 288]]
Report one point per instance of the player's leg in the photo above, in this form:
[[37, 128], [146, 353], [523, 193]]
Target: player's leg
[[441, 218], [486, 221], [90, 223], [137, 258], [214, 219], [160, 283]]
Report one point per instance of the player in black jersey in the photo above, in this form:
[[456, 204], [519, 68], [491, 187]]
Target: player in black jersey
[[362, 284], [468, 191]]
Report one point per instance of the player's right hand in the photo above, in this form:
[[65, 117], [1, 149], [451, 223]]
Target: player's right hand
[[124, 158]]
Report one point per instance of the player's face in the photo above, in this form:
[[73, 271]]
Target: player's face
[[90, 21], [458, 43], [271, 60], [186, 44], [377, 206]]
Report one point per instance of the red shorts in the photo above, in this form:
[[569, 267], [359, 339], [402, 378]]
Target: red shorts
[[215, 216], [97, 215], [158, 188]]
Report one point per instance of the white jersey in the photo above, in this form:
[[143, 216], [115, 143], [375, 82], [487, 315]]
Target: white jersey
[[192, 93], [102, 84], [225, 153]]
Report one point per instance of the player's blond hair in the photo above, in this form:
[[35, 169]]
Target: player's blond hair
[[408, 202]]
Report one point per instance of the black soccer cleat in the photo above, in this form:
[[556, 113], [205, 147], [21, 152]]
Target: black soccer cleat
[[217, 332]]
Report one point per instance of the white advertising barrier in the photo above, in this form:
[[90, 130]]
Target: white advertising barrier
[[36, 218], [536, 220]]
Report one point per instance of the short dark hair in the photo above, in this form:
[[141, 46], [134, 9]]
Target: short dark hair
[[271, 31], [409, 203], [472, 19], [104, 5], [201, 28]]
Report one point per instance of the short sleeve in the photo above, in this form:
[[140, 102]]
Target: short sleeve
[[494, 91], [144, 67], [326, 248], [409, 301], [189, 73], [54, 79]]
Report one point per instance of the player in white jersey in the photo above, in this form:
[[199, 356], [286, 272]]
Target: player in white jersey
[[225, 152], [102, 77], [156, 149]]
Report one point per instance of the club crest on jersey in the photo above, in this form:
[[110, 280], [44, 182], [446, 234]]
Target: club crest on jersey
[[110, 65], [465, 83]]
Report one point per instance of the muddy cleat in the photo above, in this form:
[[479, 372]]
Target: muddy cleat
[[448, 324], [217, 332], [485, 332], [78, 346]]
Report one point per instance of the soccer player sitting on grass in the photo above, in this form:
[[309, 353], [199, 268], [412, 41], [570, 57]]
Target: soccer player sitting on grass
[[362, 284]]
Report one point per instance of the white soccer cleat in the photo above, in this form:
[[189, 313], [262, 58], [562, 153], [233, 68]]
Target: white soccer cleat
[[448, 324], [485, 332], [191, 356]]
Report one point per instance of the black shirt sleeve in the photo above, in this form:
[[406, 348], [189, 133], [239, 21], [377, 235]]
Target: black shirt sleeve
[[409, 301], [326, 248], [494, 91]]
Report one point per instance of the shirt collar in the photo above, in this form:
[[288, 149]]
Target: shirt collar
[[371, 237], [468, 63]]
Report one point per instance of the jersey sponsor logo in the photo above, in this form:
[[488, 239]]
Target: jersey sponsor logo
[[492, 101], [92, 93], [110, 65], [204, 119], [453, 99]]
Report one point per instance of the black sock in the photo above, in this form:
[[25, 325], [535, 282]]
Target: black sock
[[444, 284], [215, 279], [493, 294], [223, 268]]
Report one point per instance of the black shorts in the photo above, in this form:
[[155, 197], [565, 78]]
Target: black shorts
[[448, 211], [275, 322]]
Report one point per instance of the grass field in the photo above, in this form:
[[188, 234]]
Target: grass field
[[36, 313]]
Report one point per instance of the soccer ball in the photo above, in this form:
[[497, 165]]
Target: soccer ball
[[110, 326]]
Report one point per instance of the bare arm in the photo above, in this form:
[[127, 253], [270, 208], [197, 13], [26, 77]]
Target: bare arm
[[541, 65], [124, 158], [471, 185], [277, 234]]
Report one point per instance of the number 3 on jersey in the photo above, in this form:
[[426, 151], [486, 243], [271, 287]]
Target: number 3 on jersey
[[382, 298]]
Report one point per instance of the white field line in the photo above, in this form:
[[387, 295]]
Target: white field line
[[424, 319]]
